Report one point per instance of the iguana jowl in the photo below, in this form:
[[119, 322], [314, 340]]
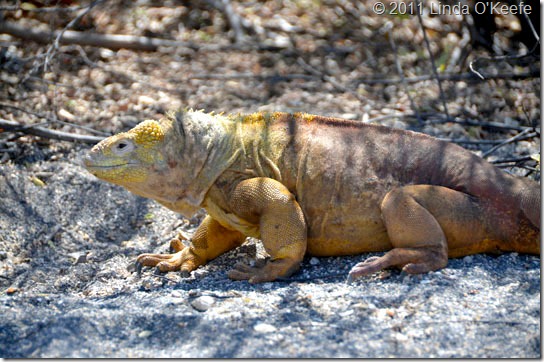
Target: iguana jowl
[[323, 186]]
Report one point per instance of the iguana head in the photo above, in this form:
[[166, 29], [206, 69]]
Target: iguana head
[[129, 158], [174, 160]]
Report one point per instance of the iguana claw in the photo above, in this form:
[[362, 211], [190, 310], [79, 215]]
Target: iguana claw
[[183, 260], [272, 270], [365, 267]]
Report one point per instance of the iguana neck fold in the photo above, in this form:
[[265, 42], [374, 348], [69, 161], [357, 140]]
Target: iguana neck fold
[[206, 148]]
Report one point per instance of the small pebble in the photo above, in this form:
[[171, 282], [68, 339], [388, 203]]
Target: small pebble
[[314, 261], [203, 303], [144, 334], [194, 293], [200, 273], [264, 328]]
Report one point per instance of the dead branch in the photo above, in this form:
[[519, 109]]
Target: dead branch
[[433, 63], [523, 135], [520, 59], [119, 41], [233, 19], [463, 141], [514, 160], [261, 77], [327, 78], [479, 123], [400, 71], [55, 46], [451, 77], [45, 9], [13, 126], [111, 41], [48, 120], [437, 118]]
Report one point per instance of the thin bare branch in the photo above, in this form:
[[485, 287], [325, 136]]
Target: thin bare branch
[[328, 78], [400, 71], [111, 41], [522, 135], [433, 63], [471, 67], [233, 19], [450, 77], [48, 120], [263, 77], [13, 126], [512, 160], [45, 9], [55, 46], [437, 118], [118, 41]]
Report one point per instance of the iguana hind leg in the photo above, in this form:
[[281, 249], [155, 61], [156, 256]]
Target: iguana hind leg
[[422, 223]]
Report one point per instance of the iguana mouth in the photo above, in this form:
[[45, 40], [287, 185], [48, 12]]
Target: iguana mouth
[[109, 166], [90, 164]]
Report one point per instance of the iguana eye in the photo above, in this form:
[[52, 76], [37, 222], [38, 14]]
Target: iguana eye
[[122, 147]]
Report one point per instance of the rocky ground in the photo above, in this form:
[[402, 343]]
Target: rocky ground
[[68, 284]]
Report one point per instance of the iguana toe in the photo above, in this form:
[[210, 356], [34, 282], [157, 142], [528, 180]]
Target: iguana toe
[[272, 270], [242, 271], [366, 267], [152, 259], [419, 268], [182, 260], [176, 245]]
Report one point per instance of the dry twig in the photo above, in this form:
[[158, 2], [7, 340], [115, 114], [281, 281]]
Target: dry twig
[[434, 118], [400, 71], [118, 41], [433, 63], [525, 134], [55, 46], [111, 41], [233, 18], [450, 77], [46, 133], [46, 9], [48, 120], [328, 78]]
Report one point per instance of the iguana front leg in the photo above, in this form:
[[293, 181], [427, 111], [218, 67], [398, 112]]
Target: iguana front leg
[[210, 240], [269, 204]]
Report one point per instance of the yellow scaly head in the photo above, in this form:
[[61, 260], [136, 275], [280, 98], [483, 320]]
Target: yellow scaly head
[[128, 157]]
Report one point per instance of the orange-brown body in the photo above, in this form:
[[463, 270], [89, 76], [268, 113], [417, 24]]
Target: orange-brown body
[[327, 187]]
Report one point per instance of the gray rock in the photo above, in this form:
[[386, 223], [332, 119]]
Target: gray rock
[[203, 303]]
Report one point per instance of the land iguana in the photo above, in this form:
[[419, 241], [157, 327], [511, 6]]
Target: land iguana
[[306, 184]]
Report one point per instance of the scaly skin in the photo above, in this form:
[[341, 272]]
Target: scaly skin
[[307, 184]]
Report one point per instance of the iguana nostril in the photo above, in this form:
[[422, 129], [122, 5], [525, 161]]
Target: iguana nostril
[[86, 161]]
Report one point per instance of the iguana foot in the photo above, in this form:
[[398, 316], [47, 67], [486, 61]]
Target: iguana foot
[[183, 260], [410, 260], [272, 270]]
